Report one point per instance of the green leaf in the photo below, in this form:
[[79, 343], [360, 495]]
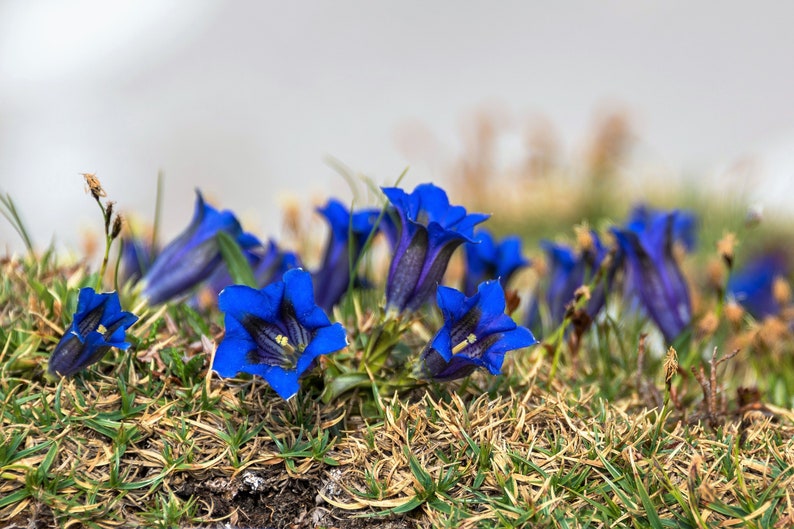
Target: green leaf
[[344, 383], [650, 508], [235, 261], [14, 498], [44, 466]]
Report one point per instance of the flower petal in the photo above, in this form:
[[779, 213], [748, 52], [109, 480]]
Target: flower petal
[[299, 291], [241, 300], [283, 381], [518, 338], [326, 340], [97, 325]]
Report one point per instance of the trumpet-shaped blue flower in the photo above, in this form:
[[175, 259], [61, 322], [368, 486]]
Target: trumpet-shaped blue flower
[[271, 265], [476, 333], [430, 231], [685, 224], [333, 277], [569, 270], [277, 332], [486, 259], [390, 227], [753, 285], [653, 275], [97, 325], [136, 258], [194, 255]]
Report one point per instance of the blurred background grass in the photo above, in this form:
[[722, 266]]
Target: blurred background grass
[[245, 100]]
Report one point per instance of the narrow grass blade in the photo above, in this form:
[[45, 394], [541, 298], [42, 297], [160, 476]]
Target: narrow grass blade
[[235, 261]]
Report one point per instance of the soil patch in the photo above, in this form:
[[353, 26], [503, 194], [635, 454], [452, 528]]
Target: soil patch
[[269, 497]]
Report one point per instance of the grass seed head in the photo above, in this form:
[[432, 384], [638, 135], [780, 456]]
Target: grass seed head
[[117, 224], [670, 364], [734, 312], [94, 186], [726, 248], [781, 290]]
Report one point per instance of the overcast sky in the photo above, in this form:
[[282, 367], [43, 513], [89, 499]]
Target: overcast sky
[[246, 99]]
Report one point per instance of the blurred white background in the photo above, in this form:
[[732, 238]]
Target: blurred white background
[[246, 99]]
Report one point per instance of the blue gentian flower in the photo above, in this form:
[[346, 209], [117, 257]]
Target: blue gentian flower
[[333, 277], [753, 286], [97, 325], [476, 333], [568, 270], [653, 275], [390, 227], [268, 265], [430, 230], [684, 226], [277, 332], [136, 258], [486, 259], [194, 255]]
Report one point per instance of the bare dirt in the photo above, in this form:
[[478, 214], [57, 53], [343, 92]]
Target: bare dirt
[[270, 498]]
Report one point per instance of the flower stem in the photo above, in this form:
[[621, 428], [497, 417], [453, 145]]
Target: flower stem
[[108, 242], [383, 339], [118, 262], [579, 304]]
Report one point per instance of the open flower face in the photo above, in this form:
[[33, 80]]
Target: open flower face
[[277, 332], [430, 231], [476, 333], [98, 324]]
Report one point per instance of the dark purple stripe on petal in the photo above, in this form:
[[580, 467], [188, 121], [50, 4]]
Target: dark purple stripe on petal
[[432, 273], [90, 321], [298, 335], [476, 350], [405, 270], [266, 336], [465, 325]]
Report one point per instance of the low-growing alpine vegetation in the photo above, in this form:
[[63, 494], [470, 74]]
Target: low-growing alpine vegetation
[[415, 367]]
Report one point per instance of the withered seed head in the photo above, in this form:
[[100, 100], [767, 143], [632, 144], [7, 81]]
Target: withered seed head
[[708, 324], [94, 186], [291, 217], [707, 493], [734, 312], [540, 266], [584, 238], [116, 227], [781, 290], [726, 247], [582, 292], [715, 272], [108, 215], [670, 364]]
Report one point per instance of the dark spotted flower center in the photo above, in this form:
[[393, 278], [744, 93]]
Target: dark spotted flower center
[[275, 346]]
